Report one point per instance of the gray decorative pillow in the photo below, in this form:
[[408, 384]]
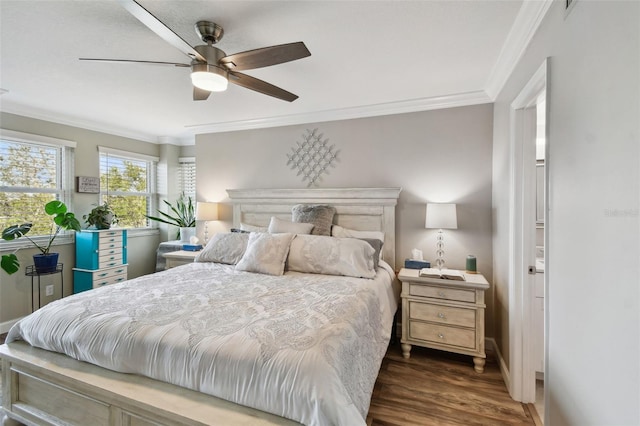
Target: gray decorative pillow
[[319, 254], [279, 226], [320, 215], [224, 247], [377, 246], [266, 253]]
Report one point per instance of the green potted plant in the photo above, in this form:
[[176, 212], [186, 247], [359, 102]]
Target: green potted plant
[[182, 215], [45, 261], [101, 216]]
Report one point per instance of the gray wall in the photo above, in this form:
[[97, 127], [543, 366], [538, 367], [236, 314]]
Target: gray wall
[[592, 375], [15, 293], [438, 156]]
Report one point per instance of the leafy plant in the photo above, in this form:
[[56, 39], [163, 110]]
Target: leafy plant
[[182, 215], [101, 216], [62, 219]]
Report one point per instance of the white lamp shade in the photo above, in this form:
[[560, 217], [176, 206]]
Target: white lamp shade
[[441, 216], [206, 211]]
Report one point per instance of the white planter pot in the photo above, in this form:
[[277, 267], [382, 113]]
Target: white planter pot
[[186, 234]]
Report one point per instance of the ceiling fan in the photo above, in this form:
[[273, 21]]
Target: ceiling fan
[[211, 68]]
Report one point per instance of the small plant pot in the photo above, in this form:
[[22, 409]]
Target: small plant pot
[[105, 223], [186, 233], [45, 263]]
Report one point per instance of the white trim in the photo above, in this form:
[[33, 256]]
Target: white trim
[[413, 105], [56, 117], [127, 154], [186, 159], [522, 383], [524, 28], [33, 138], [490, 342]]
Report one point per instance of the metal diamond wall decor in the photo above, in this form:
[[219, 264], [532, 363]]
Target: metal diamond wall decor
[[312, 157]]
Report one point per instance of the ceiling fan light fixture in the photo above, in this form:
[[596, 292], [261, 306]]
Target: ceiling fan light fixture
[[209, 77]]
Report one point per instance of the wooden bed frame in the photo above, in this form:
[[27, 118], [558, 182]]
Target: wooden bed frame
[[47, 388]]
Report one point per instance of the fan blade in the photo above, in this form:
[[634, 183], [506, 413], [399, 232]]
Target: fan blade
[[199, 94], [260, 86], [265, 56], [164, 32], [133, 61]]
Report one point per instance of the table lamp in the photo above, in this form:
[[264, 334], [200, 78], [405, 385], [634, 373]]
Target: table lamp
[[206, 211], [441, 216]]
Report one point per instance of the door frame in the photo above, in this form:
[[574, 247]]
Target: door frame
[[522, 239]]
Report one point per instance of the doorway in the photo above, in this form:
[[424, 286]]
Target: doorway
[[529, 229]]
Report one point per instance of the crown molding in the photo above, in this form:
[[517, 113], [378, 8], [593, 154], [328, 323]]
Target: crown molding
[[390, 108], [57, 118], [524, 28]]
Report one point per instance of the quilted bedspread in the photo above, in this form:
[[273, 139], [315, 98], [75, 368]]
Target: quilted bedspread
[[307, 347]]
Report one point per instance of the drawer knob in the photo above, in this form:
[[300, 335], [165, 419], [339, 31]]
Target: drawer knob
[[441, 294], [441, 336], [441, 315]]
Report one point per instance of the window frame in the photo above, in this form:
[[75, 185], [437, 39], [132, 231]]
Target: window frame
[[152, 186], [65, 163], [184, 166]]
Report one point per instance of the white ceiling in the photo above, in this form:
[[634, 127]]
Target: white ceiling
[[367, 58]]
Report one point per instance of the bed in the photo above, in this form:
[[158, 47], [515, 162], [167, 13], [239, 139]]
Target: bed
[[279, 348]]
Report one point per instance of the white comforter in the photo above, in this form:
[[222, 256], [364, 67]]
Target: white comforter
[[303, 346]]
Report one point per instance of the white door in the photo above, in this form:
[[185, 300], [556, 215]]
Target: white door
[[522, 277]]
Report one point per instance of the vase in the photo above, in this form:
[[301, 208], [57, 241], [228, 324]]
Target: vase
[[45, 263], [186, 233]]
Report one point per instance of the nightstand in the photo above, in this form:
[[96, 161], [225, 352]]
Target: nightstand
[[444, 314], [180, 257]]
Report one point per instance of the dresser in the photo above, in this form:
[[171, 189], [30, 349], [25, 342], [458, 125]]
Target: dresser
[[444, 314], [101, 258]]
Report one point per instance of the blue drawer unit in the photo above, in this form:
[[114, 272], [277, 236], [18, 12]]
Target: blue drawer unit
[[101, 258]]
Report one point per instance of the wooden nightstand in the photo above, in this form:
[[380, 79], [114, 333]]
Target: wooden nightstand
[[180, 257], [444, 314]]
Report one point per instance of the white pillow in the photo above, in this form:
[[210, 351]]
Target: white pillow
[[340, 232], [318, 254], [224, 247], [278, 226], [266, 253], [252, 228]]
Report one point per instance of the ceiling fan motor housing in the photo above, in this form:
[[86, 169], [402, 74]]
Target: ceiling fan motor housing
[[203, 70], [209, 32]]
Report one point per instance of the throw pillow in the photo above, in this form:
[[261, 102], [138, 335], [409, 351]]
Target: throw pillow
[[266, 253]]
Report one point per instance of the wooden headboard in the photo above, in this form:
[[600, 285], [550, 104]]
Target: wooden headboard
[[362, 209]]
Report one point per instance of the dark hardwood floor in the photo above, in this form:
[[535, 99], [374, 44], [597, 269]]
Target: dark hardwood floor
[[439, 388]]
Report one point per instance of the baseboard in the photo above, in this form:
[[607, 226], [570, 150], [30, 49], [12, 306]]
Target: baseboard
[[504, 370], [5, 326]]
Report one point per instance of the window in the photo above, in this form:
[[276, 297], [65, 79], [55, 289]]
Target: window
[[127, 183], [34, 170], [187, 176]]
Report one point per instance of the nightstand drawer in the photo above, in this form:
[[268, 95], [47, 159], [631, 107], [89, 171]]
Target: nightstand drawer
[[442, 314], [442, 334], [442, 293]]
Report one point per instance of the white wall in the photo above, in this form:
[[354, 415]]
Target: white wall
[[593, 374], [441, 156]]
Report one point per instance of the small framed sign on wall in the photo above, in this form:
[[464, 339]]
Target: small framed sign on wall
[[88, 184]]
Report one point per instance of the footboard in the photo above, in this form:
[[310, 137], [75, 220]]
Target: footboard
[[47, 388]]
